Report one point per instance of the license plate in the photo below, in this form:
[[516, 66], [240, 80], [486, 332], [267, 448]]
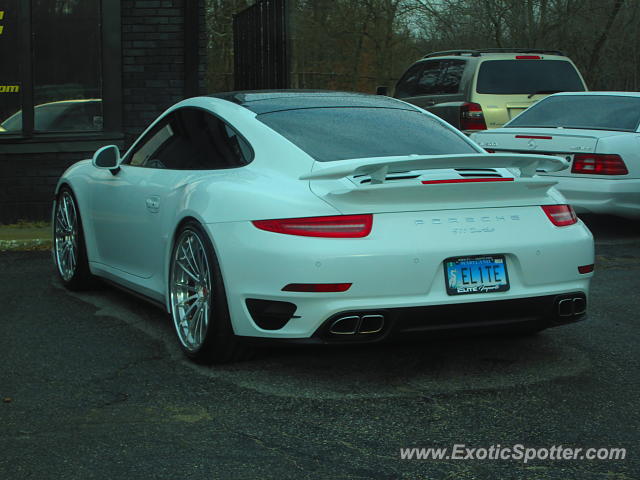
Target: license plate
[[476, 274]]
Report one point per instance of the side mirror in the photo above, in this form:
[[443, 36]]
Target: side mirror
[[107, 158], [382, 90]]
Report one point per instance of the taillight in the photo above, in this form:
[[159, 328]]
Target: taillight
[[598, 164], [471, 117], [584, 269], [536, 137], [340, 226], [317, 287], [560, 215], [528, 57]]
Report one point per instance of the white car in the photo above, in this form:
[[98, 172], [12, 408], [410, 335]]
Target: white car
[[597, 132], [321, 217]]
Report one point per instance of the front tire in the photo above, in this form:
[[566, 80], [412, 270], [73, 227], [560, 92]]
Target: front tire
[[198, 300], [69, 250]]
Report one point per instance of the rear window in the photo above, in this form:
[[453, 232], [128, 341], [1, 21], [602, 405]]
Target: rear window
[[598, 112], [527, 76], [329, 134]]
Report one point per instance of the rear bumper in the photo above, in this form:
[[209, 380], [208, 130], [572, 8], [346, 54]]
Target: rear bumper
[[397, 268], [600, 195], [429, 322]]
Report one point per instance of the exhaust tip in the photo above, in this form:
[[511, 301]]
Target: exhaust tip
[[345, 325], [371, 324], [579, 306], [565, 307], [574, 305], [363, 323]]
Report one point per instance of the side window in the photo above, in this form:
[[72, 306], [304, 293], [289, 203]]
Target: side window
[[406, 86], [146, 153], [429, 78], [192, 139], [450, 81]]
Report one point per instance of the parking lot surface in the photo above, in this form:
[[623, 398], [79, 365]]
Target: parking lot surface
[[93, 385]]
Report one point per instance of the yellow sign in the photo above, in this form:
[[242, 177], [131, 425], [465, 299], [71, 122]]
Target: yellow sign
[[1, 17], [9, 88]]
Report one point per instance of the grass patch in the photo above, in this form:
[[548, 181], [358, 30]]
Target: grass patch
[[24, 230]]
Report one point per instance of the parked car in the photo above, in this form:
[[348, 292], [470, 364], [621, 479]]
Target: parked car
[[480, 89], [597, 132], [61, 116], [321, 217]]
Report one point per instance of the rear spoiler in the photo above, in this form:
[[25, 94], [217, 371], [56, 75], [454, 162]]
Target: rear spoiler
[[378, 167]]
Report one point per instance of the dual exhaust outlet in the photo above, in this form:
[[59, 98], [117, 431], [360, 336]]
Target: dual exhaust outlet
[[357, 324], [571, 307]]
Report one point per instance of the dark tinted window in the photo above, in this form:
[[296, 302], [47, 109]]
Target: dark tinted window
[[11, 58], [606, 112], [451, 76], [67, 63], [407, 85], [527, 76], [429, 78], [192, 139], [340, 133]]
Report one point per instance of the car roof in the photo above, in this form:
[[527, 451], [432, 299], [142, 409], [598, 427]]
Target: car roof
[[267, 101], [597, 93], [497, 52]]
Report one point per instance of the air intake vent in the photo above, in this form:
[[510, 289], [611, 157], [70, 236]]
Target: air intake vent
[[270, 314], [478, 172], [394, 177]]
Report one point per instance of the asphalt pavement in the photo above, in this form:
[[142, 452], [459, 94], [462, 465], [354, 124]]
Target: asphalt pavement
[[93, 385]]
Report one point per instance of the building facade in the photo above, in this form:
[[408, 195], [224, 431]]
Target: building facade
[[80, 74]]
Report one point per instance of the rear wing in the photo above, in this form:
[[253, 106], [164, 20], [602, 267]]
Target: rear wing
[[378, 167]]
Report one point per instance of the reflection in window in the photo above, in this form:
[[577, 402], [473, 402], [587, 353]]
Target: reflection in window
[[142, 157], [66, 49], [10, 85], [428, 80]]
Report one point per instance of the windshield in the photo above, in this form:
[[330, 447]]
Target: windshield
[[528, 76], [599, 112], [339, 133]]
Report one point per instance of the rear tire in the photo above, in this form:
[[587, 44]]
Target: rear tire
[[69, 249], [198, 300]]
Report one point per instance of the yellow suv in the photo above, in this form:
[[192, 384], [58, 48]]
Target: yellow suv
[[480, 89]]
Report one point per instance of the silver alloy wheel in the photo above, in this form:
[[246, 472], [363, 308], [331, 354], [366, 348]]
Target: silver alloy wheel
[[66, 236], [190, 290]]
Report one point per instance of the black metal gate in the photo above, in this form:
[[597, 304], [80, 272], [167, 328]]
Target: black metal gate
[[260, 46]]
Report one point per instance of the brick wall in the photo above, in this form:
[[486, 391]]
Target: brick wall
[[153, 60], [27, 183]]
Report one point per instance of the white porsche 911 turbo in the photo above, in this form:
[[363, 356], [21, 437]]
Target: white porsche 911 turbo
[[321, 217]]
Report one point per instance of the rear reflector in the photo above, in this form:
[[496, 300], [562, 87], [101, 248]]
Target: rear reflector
[[598, 164], [317, 287], [340, 226], [537, 137], [471, 117], [560, 215], [467, 180], [528, 57], [585, 269]]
